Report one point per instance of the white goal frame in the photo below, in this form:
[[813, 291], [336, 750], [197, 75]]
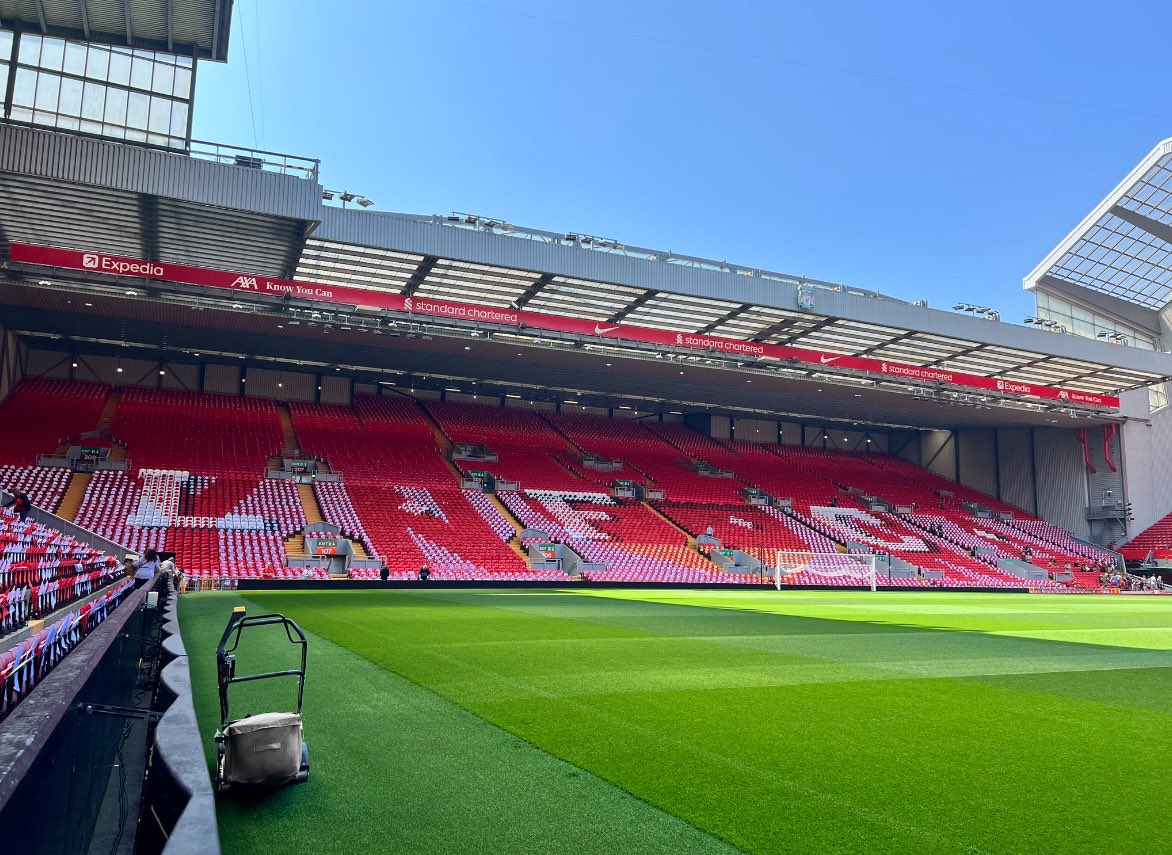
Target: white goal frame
[[798, 561]]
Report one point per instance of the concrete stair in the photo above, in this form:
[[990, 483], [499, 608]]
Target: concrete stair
[[515, 542], [71, 501], [295, 546], [288, 431], [106, 419], [684, 532], [309, 504]]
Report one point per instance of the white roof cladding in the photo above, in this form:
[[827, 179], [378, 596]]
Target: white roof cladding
[[196, 28], [437, 257], [1123, 248]]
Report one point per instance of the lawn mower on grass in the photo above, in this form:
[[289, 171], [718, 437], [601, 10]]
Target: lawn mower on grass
[[264, 750]]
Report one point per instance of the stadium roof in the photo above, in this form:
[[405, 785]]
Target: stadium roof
[[496, 264], [195, 28], [265, 217], [1124, 246]]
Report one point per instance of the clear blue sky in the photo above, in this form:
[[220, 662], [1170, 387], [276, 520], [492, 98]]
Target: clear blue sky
[[924, 149]]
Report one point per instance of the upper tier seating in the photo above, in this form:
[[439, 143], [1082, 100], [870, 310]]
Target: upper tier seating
[[658, 463], [528, 448], [202, 433], [43, 413], [381, 437], [399, 498]]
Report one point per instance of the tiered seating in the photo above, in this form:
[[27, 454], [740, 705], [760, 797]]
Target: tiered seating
[[496, 521], [109, 501], [1156, 538], [24, 665], [399, 497], [410, 526], [746, 527], [198, 490], [381, 438], [633, 543], [203, 433], [42, 569], [43, 413], [528, 447], [45, 485], [651, 461], [337, 508]]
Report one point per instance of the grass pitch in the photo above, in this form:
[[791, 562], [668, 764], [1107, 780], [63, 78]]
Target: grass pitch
[[765, 722]]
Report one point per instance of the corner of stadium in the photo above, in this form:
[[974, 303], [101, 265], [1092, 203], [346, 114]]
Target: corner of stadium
[[597, 547]]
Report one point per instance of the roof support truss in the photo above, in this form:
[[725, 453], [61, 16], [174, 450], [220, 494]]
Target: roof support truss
[[533, 290], [85, 18], [421, 273], [631, 307], [728, 316]]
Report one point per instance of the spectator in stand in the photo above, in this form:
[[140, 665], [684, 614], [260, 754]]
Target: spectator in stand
[[834, 501], [384, 572], [424, 573], [145, 568], [20, 504]]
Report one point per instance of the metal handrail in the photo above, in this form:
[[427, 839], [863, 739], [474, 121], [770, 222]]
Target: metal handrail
[[256, 158]]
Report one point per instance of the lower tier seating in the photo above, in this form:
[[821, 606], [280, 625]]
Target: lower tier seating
[[24, 665]]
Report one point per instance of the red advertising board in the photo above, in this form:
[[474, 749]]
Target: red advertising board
[[133, 267]]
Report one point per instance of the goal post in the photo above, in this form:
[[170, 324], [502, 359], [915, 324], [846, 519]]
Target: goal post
[[825, 567]]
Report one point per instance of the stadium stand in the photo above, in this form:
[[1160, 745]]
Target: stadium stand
[[197, 488]]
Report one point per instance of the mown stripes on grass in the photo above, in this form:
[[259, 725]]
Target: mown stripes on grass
[[396, 768], [933, 724]]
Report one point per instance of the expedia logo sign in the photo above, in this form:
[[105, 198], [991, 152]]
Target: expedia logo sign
[[106, 264], [1019, 388]]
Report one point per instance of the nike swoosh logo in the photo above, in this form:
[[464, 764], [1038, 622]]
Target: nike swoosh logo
[[603, 330], [827, 360]]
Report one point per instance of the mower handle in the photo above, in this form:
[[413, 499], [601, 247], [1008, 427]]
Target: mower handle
[[230, 640]]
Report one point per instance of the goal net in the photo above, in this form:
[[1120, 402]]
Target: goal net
[[824, 568]]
